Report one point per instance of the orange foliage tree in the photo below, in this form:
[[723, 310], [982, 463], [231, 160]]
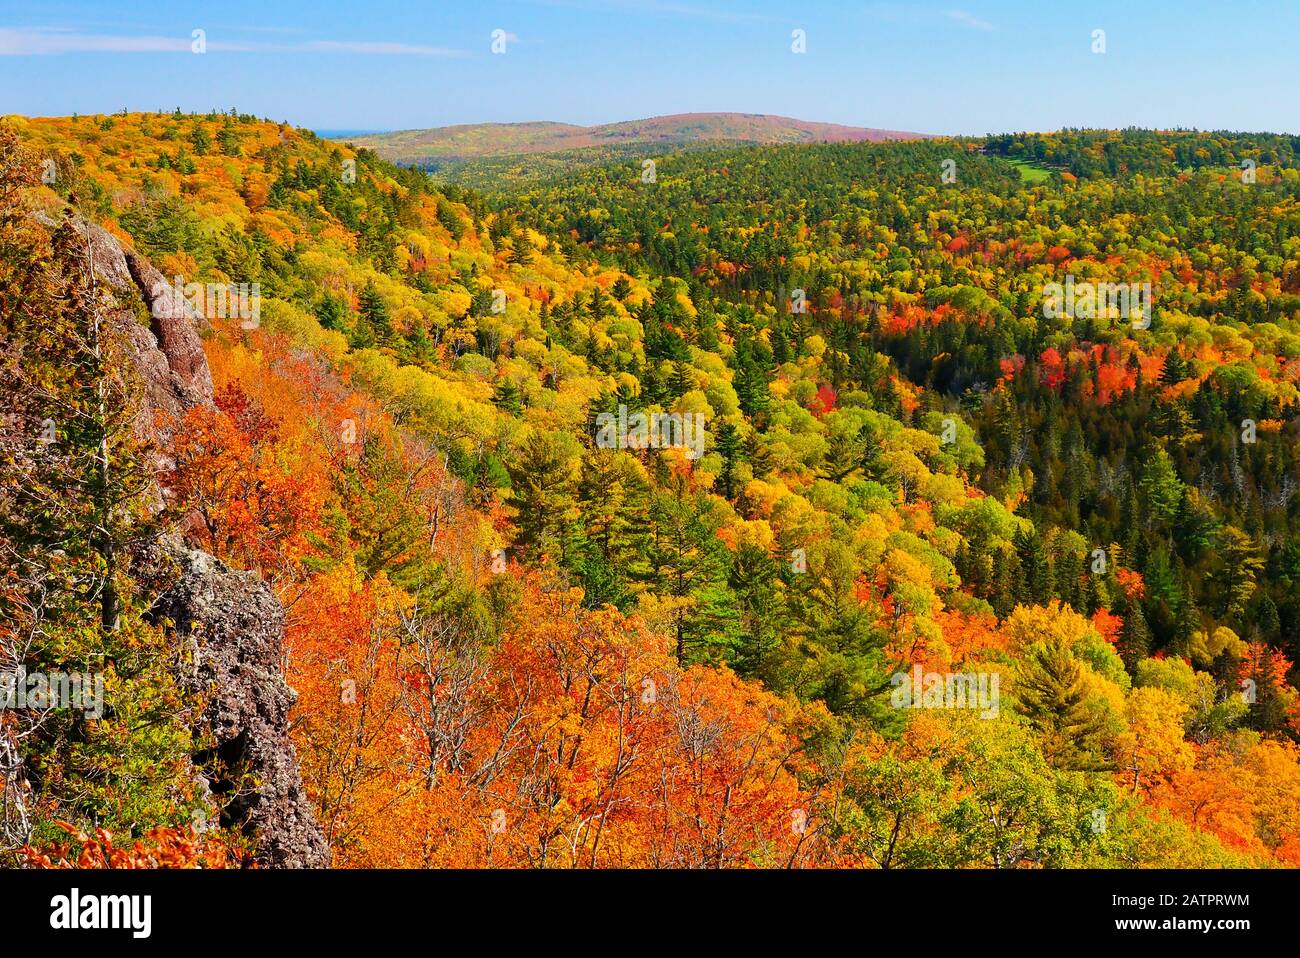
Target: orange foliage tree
[[577, 741]]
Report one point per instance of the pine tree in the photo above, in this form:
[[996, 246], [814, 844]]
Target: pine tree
[[228, 140], [681, 382], [1052, 693], [610, 556], [1187, 622], [841, 641], [728, 446], [507, 396], [1067, 573], [331, 313], [363, 334], [1035, 584], [1132, 527], [759, 457], [1175, 369], [763, 614], [751, 388], [1160, 488], [1239, 567], [542, 495], [1267, 619], [653, 390], [1135, 639], [374, 313], [1006, 575], [689, 563]]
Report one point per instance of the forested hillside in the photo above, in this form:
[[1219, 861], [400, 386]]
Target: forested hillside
[[439, 147], [523, 635]]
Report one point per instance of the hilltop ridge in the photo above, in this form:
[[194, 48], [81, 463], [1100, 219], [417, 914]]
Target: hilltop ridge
[[450, 144]]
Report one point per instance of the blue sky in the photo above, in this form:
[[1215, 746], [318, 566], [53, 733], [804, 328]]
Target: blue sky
[[952, 66]]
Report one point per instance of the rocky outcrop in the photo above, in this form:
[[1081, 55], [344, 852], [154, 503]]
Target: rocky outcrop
[[228, 625], [231, 627], [176, 328], [168, 353]]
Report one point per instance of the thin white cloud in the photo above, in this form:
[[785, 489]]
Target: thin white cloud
[[663, 8], [44, 41], [245, 28], [969, 20], [50, 41], [375, 48]]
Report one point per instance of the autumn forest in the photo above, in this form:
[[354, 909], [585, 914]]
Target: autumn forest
[[911, 504]]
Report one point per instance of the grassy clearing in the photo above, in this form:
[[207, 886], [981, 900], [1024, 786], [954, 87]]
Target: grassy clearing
[[1031, 173]]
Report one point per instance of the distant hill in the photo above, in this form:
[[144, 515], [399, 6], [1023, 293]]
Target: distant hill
[[445, 145]]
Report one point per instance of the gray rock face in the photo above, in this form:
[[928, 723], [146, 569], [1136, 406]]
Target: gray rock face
[[230, 622], [232, 626], [175, 327], [168, 355]]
